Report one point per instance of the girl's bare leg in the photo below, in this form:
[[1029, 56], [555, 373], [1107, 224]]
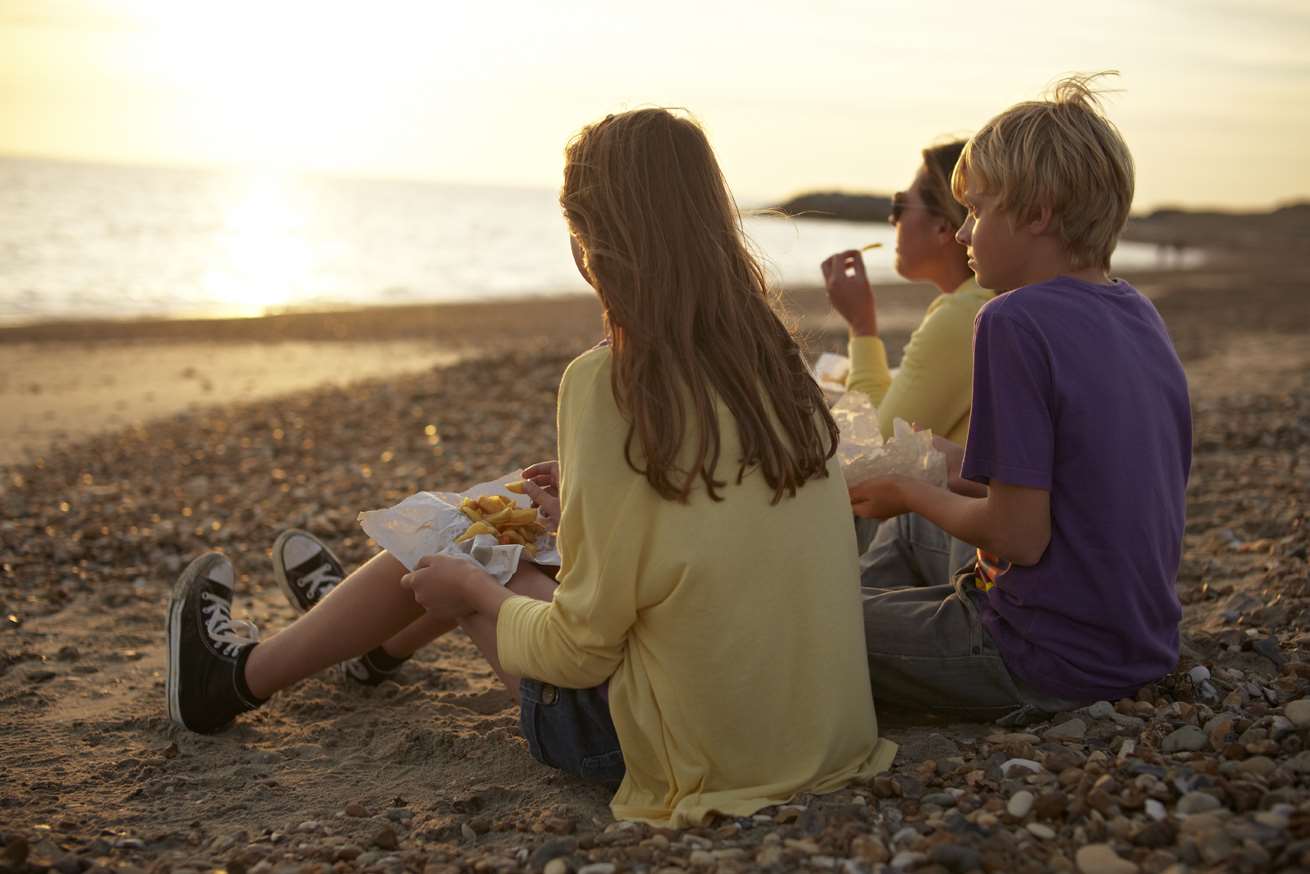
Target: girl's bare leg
[[368, 607], [423, 631], [528, 580]]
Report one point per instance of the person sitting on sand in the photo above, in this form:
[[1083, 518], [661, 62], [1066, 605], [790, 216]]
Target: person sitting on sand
[[703, 644], [1073, 477], [932, 386]]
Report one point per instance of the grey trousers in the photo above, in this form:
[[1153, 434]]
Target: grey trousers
[[927, 647]]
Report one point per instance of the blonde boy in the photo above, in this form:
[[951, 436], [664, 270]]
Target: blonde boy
[[1072, 484]]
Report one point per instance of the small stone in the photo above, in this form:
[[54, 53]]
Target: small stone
[[941, 799], [1020, 804], [354, 808], [555, 866], [1261, 766], [598, 868], [955, 857], [386, 838], [1155, 810], [701, 859], [1268, 647], [907, 859], [1300, 763], [468, 833], [1040, 830], [1102, 859], [1073, 729], [867, 848], [1051, 805], [1298, 712], [551, 850], [1012, 766], [1197, 802], [1189, 738], [1101, 710]]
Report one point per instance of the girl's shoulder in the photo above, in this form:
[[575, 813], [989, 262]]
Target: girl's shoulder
[[594, 361]]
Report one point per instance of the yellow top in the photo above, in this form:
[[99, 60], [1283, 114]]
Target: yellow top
[[934, 385], [731, 632]]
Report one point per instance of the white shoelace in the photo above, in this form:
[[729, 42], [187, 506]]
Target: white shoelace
[[226, 633], [319, 581]]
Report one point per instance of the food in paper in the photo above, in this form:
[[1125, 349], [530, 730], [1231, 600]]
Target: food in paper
[[830, 372], [501, 517], [439, 523], [864, 454]]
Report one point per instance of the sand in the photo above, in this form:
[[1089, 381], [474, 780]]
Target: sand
[[428, 773]]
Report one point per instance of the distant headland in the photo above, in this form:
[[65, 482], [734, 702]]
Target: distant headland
[[1286, 225]]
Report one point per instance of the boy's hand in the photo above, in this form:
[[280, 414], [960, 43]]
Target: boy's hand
[[878, 498], [954, 453], [849, 292], [439, 584]]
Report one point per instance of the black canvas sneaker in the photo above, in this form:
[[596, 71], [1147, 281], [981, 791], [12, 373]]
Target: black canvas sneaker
[[305, 568], [307, 571], [207, 649]]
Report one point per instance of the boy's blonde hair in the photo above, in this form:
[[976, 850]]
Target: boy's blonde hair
[[1061, 153]]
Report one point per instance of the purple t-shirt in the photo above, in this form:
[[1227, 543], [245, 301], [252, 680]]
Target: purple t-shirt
[[1077, 390]]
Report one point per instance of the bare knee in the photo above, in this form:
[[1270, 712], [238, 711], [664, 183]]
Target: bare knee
[[529, 580]]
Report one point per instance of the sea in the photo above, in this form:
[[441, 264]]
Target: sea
[[82, 240]]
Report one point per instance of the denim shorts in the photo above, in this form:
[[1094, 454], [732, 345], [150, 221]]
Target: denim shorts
[[570, 730]]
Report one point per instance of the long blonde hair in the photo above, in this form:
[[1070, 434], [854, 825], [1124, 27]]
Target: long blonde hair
[[687, 310]]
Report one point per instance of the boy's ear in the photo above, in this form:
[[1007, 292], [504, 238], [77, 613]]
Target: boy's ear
[[1039, 220]]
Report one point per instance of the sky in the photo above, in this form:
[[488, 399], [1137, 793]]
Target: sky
[[831, 94]]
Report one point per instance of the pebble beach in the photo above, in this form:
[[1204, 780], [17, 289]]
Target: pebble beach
[[1206, 770]]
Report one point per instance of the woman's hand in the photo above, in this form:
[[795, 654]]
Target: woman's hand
[[440, 584], [849, 292], [541, 484], [878, 498]]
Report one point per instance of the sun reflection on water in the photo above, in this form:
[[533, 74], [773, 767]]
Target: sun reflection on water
[[264, 259]]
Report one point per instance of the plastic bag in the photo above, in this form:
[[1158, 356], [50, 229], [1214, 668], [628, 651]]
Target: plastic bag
[[864, 454], [427, 523]]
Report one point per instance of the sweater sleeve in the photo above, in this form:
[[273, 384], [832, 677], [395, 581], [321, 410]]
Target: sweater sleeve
[[931, 387], [579, 639], [869, 373]]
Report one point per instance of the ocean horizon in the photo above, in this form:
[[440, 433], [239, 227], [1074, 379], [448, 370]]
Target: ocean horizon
[[86, 240]]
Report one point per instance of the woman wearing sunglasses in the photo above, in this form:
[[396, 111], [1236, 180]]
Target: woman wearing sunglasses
[[934, 385]]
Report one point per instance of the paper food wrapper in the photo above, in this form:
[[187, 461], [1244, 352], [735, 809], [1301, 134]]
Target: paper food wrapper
[[863, 453], [830, 372], [427, 523]]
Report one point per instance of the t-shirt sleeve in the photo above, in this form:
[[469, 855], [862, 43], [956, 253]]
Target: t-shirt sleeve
[[1012, 432], [578, 639]]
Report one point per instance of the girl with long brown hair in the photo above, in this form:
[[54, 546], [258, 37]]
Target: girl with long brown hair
[[701, 645]]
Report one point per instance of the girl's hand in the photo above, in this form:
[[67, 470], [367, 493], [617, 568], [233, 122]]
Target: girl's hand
[[439, 584], [545, 474], [849, 292], [546, 501], [878, 498]]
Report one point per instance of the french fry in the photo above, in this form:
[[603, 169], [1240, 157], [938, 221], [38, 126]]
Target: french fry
[[491, 504], [500, 517], [475, 529], [522, 517], [516, 487]]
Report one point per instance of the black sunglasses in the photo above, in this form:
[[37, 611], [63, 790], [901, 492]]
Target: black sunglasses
[[899, 206]]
